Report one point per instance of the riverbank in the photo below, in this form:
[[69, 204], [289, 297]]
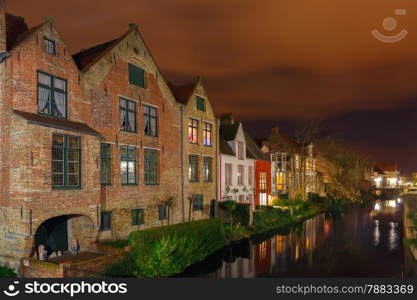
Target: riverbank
[[410, 211], [269, 218]]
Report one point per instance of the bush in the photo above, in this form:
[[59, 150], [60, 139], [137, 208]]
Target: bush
[[228, 205], [242, 214], [168, 250], [5, 272], [267, 219]]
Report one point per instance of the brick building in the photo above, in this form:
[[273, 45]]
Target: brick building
[[90, 144], [199, 150]]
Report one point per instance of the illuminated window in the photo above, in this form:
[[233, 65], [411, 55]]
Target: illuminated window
[[128, 165], [193, 131], [280, 181], [207, 134], [262, 181]]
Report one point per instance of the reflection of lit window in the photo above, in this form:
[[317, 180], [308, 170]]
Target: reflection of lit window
[[280, 244], [262, 250], [262, 198]]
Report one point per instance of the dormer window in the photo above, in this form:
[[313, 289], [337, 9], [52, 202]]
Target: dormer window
[[50, 46], [52, 95]]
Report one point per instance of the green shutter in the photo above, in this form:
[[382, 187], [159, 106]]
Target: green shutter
[[136, 75], [201, 105]]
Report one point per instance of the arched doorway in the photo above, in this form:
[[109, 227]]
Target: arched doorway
[[57, 233]]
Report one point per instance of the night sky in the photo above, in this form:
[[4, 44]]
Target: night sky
[[272, 61]]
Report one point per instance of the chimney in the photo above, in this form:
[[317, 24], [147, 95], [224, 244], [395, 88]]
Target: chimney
[[3, 46], [275, 129], [227, 119]]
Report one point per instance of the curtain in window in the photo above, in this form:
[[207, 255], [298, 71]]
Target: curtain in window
[[59, 104], [44, 100]]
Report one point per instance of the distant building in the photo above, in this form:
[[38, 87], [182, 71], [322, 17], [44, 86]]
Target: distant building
[[391, 172], [236, 164]]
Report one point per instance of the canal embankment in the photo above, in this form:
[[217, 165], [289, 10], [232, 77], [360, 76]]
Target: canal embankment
[[410, 223]]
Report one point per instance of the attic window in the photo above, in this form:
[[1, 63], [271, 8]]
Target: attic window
[[201, 103], [50, 46], [136, 75]]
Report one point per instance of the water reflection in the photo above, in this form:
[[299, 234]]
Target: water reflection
[[363, 242]]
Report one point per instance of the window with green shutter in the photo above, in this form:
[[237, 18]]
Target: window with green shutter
[[138, 216], [105, 164], [201, 103], [136, 75], [151, 167], [197, 202]]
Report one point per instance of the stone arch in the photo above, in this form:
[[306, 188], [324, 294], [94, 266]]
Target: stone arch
[[57, 232]]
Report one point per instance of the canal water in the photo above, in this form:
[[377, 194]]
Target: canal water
[[363, 242]]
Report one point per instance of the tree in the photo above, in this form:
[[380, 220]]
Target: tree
[[345, 168], [306, 134]]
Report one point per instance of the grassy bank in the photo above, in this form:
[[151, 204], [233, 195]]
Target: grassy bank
[[168, 250], [412, 243], [269, 218]]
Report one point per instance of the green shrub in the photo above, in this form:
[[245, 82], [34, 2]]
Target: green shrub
[[6, 272], [117, 244], [242, 214], [168, 250]]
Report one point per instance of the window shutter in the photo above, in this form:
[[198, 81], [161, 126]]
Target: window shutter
[[136, 75]]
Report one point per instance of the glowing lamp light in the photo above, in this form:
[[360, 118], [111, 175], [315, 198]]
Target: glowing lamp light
[[377, 206], [392, 203]]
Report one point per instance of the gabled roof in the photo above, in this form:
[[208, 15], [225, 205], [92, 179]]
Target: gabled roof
[[224, 147], [252, 150], [87, 57], [229, 131], [57, 123], [182, 93]]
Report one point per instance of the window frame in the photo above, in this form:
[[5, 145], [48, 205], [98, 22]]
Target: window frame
[[240, 174], [163, 216], [132, 67], [109, 159], [196, 159], [208, 132], [48, 40], [208, 178], [198, 202], [127, 183], [147, 167], [150, 117], [127, 110], [137, 216], [52, 89], [228, 179], [193, 125], [65, 161], [240, 150], [263, 181]]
